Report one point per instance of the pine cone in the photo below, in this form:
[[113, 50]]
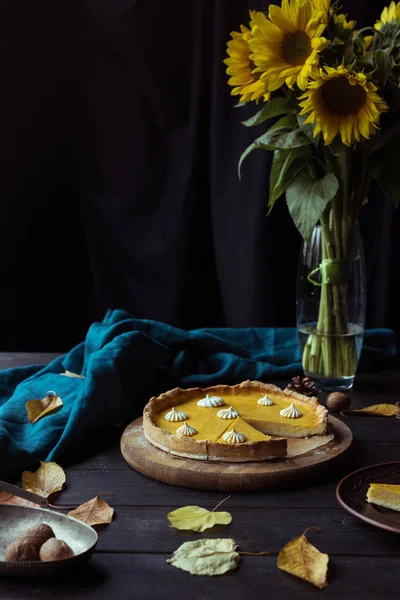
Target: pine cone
[[398, 410], [303, 385]]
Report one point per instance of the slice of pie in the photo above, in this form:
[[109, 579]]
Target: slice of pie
[[384, 495], [231, 423]]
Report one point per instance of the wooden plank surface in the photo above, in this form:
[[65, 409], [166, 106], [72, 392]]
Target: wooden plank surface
[[130, 560]]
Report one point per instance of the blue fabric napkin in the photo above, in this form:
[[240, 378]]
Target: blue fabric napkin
[[124, 362]]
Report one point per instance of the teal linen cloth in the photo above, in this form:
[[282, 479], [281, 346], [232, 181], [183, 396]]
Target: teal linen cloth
[[125, 361]]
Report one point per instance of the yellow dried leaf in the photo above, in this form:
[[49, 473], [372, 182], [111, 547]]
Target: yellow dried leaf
[[93, 512], [378, 410], [196, 518], [39, 408], [302, 559], [49, 478], [6, 498], [206, 557], [70, 374]]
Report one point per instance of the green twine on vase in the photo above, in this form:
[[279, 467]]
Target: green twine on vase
[[332, 270]]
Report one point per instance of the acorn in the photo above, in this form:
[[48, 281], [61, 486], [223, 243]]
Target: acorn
[[55, 549], [37, 535], [20, 550], [338, 401]]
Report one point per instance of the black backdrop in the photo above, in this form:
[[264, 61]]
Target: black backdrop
[[119, 149]]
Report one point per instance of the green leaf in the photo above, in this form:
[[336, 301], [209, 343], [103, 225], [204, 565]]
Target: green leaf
[[336, 146], [384, 168], [307, 199], [277, 138], [286, 121], [383, 65], [283, 138], [239, 104], [308, 128], [274, 108], [286, 165], [248, 150]]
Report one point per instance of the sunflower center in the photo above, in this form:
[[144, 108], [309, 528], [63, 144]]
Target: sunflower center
[[296, 48], [341, 98]]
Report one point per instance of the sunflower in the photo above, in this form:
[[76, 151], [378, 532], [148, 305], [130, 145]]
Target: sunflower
[[342, 21], [285, 46], [240, 67], [342, 102], [389, 13], [322, 6]]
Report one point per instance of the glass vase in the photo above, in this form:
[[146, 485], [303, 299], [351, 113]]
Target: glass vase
[[330, 309]]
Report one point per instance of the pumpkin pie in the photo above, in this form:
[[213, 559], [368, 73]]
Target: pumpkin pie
[[384, 495], [250, 421]]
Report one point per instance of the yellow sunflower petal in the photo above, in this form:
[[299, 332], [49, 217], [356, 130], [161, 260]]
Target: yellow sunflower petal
[[342, 102], [286, 42], [243, 77], [389, 13]]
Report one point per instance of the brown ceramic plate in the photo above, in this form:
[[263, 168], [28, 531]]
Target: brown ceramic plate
[[351, 493]]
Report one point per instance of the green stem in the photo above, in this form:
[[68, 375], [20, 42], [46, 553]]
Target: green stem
[[328, 352]]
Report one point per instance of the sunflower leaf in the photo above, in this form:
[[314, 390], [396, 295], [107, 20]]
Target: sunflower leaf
[[307, 198], [206, 557], [286, 165], [274, 108], [383, 65], [282, 138], [308, 128]]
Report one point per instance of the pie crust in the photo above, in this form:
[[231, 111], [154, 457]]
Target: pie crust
[[203, 449]]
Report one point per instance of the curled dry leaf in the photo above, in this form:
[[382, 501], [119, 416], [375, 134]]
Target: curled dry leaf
[[196, 518], [93, 512], [49, 478], [70, 374], [302, 559], [37, 409], [378, 410], [206, 557]]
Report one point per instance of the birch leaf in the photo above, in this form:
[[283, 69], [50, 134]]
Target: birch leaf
[[71, 374], [196, 518], [93, 512], [39, 408], [6, 498], [49, 478], [303, 560], [377, 410], [206, 557]]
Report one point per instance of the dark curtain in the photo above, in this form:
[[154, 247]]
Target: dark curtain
[[120, 146]]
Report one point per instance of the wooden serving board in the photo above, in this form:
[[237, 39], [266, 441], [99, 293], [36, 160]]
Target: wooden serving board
[[145, 458]]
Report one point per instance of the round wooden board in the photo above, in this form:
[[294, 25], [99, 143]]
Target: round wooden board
[[233, 477]]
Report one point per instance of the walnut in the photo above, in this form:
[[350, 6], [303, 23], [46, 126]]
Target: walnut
[[55, 549], [338, 401], [37, 535], [20, 550]]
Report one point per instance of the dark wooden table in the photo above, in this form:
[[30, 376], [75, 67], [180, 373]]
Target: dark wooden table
[[130, 560]]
